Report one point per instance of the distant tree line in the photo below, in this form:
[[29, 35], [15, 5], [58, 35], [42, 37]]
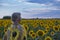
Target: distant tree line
[[7, 17]]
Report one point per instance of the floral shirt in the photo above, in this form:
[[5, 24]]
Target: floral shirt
[[16, 32]]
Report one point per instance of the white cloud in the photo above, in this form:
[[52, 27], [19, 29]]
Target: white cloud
[[4, 4], [57, 0], [4, 13], [29, 3], [35, 11], [27, 9], [21, 0], [8, 4], [40, 10]]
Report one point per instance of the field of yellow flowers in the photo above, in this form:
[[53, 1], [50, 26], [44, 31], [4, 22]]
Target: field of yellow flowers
[[37, 29]]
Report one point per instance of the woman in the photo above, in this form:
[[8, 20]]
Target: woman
[[16, 31]]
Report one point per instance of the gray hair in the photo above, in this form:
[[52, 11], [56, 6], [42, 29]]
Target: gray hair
[[16, 15]]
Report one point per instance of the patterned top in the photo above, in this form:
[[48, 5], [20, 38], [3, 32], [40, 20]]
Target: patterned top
[[16, 33]]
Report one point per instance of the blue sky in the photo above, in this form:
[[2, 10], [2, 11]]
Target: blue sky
[[31, 8]]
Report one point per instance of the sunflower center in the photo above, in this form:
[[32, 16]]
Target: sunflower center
[[56, 28], [47, 39], [14, 34]]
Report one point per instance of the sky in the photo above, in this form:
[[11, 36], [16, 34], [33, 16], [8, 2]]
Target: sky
[[31, 8]]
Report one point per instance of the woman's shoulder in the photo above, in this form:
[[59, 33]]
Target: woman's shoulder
[[20, 27]]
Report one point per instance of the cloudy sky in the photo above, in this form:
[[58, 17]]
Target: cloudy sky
[[31, 8]]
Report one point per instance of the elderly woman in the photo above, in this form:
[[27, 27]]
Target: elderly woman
[[16, 31]]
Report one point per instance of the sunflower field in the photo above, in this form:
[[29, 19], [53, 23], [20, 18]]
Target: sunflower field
[[37, 29]]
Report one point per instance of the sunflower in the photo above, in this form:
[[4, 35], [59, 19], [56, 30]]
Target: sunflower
[[0, 25], [52, 33], [46, 31], [35, 25], [59, 27], [47, 28], [51, 26], [14, 33], [26, 26], [46, 25], [41, 23], [31, 32], [40, 33], [5, 30], [0, 38], [5, 25], [48, 38], [33, 35], [56, 28]]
